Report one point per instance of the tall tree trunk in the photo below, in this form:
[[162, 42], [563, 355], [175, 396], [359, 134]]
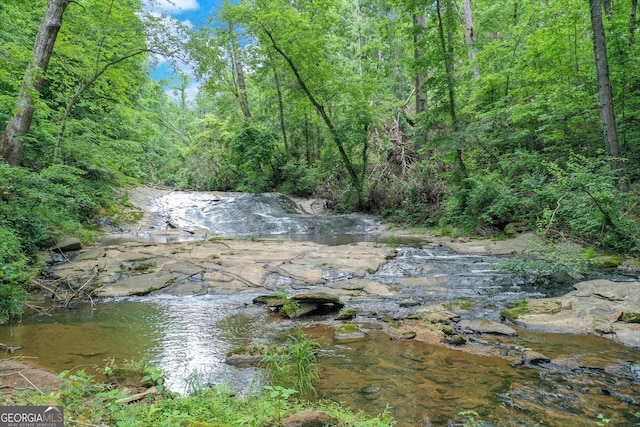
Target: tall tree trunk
[[604, 83], [19, 124], [242, 87], [470, 37], [353, 175], [447, 51], [283, 127], [419, 27]]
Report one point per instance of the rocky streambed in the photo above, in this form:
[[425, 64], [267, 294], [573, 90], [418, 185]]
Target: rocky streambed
[[437, 291]]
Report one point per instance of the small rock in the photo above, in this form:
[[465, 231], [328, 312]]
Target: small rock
[[403, 335], [347, 314], [409, 303], [604, 328], [455, 340], [486, 327], [630, 317], [349, 331], [448, 330], [532, 357]]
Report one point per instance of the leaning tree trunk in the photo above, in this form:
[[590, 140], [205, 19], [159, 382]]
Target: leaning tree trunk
[[604, 83], [20, 122], [353, 175]]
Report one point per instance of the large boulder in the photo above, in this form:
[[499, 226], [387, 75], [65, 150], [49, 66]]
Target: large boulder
[[602, 307], [68, 244]]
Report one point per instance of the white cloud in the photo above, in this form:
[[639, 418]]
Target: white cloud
[[172, 6], [190, 94]]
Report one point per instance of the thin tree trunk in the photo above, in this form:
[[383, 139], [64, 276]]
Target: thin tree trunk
[[470, 37], [607, 8], [19, 124], [604, 83], [447, 51], [86, 85], [283, 128], [353, 175], [422, 99], [242, 88]]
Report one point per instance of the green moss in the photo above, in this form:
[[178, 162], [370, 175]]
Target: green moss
[[348, 328], [519, 309], [460, 304]]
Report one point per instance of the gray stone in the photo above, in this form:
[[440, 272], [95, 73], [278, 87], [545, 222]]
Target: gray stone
[[402, 335], [630, 316], [479, 326], [68, 244], [532, 357], [455, 340]]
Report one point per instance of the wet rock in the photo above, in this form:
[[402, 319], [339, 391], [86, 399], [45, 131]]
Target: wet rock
[[349, 331], [455, 340], [595, 306], [479, 326], [272, 300], [318, 298], [245, 356], [308, 418], [532, 357], [410, 303], [347, 314], [402, 335], [448, 330]]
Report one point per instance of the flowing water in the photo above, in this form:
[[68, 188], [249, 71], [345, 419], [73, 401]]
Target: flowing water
[[421, 383]]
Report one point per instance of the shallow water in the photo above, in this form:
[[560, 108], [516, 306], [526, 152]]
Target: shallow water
[[187, 338]]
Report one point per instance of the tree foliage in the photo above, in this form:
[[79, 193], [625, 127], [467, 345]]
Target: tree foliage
[[483, 117]]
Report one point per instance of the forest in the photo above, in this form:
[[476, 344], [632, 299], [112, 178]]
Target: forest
[[483, 118]]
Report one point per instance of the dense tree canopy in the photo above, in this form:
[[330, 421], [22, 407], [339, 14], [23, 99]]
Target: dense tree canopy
[[486, 116]]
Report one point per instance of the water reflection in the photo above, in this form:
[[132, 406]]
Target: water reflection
[[188, 338]]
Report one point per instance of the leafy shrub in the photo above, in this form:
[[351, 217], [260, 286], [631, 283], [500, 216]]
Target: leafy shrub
[[13, 276], [296, 179]]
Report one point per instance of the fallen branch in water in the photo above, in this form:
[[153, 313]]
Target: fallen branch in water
[[139, 396], [63, 290]]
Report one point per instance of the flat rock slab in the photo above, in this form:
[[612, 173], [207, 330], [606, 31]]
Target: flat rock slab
[[479, 326], [595, 306], [220, 266]]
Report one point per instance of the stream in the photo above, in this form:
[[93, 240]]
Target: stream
[[420, 383]]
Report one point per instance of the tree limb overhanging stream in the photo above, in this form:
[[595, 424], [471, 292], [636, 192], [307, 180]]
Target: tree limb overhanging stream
[[198, 289]]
